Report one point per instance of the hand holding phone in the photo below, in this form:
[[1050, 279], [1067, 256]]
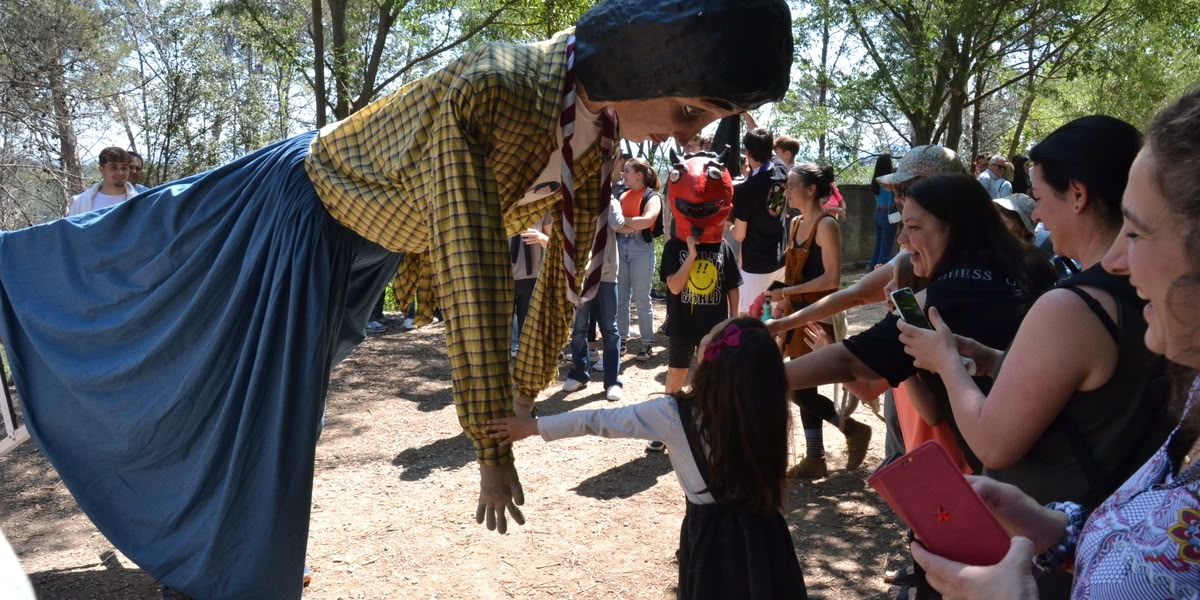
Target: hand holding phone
[[910, 310], [905, 301], [931, 495]]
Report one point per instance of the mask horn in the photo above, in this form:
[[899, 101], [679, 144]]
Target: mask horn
[[675, 159], [723, 155]]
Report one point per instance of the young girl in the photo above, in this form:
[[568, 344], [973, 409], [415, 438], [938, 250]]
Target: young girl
[[728, 442]]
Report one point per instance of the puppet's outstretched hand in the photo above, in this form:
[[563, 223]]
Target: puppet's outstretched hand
[[499, 490]]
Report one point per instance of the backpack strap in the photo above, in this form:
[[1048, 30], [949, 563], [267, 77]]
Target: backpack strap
[[647, 194]]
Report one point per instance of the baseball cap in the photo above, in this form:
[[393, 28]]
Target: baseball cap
[[1022, 205], [923, 161]]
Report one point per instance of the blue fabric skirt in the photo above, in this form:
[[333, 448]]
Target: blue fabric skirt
[[172, 355]]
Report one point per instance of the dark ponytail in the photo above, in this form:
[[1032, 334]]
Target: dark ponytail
[[814, 174]]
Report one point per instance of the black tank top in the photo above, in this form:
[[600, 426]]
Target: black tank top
[[1103, 435]]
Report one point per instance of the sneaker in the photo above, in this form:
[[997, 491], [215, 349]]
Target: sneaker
[[858, 439], [307, 575], [643, 355], [407, 325], [655, 447], [593, 356], [598, 366], [614, 393], [571, 385], [513, 351], [809, 468], [376, 327]]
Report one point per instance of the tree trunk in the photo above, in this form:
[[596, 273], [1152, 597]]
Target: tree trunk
[[318, 36], [977, 114], [71, 181], [823, 85], [341, 59]]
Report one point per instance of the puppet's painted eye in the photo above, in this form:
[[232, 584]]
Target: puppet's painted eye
[[715, 173], [675, 175]]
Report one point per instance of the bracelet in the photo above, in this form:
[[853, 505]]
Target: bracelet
[[1062, 556]]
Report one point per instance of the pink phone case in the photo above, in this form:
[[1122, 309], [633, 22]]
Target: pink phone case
[[940, 506]]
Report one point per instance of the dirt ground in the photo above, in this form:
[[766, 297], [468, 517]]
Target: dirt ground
[[396, 487]]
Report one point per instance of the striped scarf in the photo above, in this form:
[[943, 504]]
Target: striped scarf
[[608, 130]]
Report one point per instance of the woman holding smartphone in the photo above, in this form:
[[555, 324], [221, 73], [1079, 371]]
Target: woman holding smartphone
[[981, 278], [1141, 541], [1078, 403], [1076, 372]]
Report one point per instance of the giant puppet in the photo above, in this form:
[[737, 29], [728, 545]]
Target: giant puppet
[[173, 353]]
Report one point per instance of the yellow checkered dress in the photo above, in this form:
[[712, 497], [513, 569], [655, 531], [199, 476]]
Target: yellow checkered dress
[[435, 170]]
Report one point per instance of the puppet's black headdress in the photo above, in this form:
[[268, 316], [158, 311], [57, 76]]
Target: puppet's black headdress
[[739, 51]]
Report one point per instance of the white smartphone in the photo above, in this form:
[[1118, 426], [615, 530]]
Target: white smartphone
[[905, 301], [910, 310]]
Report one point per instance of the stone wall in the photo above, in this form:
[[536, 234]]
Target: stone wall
[[858, 230]]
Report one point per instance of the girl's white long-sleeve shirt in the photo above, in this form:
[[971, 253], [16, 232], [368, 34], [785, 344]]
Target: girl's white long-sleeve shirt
[[655, 419]]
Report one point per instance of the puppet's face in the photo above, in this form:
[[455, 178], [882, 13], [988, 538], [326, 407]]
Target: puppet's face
[[700, 194]]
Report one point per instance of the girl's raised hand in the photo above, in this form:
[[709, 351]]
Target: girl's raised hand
[[510, 429]]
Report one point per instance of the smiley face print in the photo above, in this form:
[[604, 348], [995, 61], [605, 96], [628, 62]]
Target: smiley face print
[[703, 278], [705, 285]]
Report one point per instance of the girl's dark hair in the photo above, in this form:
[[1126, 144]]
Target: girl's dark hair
[[1095, 151], [814, 174], [1174, 141], [739, 401], [642, 166], [1020, 180], [883, 166], [978, 237]]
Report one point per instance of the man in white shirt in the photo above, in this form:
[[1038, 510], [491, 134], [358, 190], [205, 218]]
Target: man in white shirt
[[114, 187], [993, 179]]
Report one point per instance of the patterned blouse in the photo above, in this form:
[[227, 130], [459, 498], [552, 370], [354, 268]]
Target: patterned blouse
[[1144, 540]]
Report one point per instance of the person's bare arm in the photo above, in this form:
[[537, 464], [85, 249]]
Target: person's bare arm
[[867, 290], [1044, 368], [647, 218], [831, 364], [739, 230], [678, 280]]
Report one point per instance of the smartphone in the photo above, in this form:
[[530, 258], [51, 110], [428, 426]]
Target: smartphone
[[934, 499], [912, 313], [910, 310]]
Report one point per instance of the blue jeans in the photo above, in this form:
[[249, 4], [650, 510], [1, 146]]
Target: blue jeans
[[604, 307], [885, 236], [634, 276]]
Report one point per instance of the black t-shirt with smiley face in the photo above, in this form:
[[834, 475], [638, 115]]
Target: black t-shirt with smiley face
[[704, 301]]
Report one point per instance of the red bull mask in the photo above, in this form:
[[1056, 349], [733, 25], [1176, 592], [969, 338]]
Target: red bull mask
[[700, 194]]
